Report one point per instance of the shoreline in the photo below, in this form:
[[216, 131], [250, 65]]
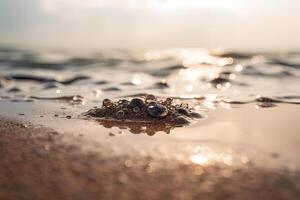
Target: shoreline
[[36, 164]]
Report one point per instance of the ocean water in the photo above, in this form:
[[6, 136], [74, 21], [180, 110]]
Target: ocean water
[[250, 101]]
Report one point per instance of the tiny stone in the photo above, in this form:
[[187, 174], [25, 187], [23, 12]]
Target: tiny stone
[[68, 117]]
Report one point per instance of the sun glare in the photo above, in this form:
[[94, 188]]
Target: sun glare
[[206, 156]]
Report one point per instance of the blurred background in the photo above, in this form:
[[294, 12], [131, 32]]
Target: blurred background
[[243, 25]]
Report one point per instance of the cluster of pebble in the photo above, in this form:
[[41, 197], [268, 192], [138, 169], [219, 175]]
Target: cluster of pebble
[[149, 109]]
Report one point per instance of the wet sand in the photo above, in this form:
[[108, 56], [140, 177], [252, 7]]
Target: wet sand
[[36, 164]]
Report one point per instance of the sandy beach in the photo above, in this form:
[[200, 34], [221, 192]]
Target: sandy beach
[[36, 164]]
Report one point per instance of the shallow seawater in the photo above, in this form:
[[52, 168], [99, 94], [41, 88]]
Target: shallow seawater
[[250, 102]]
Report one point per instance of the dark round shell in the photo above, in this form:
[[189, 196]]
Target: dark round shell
[[157, 111], [136, 102]]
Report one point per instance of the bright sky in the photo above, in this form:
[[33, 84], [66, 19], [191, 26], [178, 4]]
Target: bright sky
[[272, 25]]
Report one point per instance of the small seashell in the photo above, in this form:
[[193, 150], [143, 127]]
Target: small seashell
[[120, 114], [157, 111], [107, 103], [136, 109], [137, 102]]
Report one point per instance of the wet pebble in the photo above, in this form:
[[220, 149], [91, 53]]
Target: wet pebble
[[157, 111], [136, 102]]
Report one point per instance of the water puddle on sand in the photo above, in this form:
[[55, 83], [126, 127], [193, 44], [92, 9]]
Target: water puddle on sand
[[250, 104]]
